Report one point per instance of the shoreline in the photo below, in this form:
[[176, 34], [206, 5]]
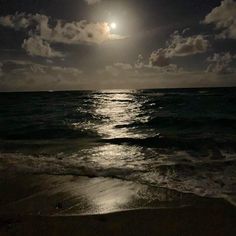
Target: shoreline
[[25, 194], [69, 205]]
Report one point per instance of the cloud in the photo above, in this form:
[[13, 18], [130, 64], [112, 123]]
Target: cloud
[[44, 31], [31, 68], [92, 2], [180, 46], [130, 71], [159, 58], [17, 21], [64, 72], [160, 77], [139, 62], [35, 46], [26, 75], [75, 32], [171, 68], [123, 66], [116, 69], [220, 63], [224, 19]]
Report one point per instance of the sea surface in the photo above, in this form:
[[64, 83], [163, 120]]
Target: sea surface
[[179, 139]]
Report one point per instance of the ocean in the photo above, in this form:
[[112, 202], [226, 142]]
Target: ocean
[[177, 139]]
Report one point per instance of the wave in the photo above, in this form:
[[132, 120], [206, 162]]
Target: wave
[[184, 122], [209, 178], [47, 133], [77, 133], [200, 145], [57, 165]]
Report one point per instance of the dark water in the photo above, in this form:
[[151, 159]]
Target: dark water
[[176, 139]]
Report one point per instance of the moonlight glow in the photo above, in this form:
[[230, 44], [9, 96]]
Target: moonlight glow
[[113, 25]]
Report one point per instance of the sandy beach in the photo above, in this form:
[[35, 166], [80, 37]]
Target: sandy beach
[[67, 205], [217, 220]]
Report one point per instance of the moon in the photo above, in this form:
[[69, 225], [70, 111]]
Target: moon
[[113, 25]]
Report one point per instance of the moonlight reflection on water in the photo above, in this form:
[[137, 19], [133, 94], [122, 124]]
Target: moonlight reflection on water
[[119, 109]]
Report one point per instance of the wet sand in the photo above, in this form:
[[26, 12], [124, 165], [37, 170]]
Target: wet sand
[[67, 205]]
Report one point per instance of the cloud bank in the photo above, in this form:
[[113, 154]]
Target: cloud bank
[[26, 75]]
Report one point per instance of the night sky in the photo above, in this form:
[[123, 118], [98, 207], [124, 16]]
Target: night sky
[[116, 44]]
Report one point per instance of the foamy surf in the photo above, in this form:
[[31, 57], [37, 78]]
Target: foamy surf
[[205, 178]]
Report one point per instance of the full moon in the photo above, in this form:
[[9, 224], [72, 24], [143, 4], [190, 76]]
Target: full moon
[[113, 25]]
